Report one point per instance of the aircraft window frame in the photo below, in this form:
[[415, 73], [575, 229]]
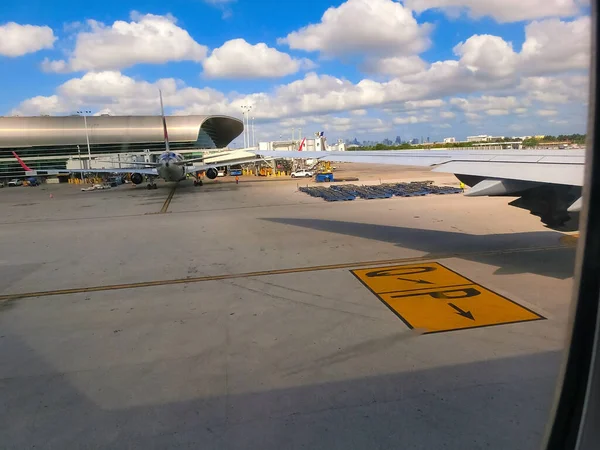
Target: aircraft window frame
[[576, 414]]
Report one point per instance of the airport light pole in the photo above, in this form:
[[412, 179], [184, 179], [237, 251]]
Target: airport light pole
[[244, 123], [80, 161], [247, 108], [253, 135], [87, 135], [248, 123]]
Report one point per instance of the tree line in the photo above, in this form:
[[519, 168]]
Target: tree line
[[530, 142]]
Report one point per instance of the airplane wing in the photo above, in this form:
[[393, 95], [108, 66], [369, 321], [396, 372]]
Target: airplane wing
[[233, 162], [543, 166], [143, 171], [547, 182], [133, 163], [43, 172], [225, 158]]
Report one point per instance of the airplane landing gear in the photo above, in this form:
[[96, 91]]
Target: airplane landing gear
[[198, 183], [152, 186]]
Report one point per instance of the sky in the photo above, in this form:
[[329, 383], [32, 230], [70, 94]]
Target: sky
[[365, 69]]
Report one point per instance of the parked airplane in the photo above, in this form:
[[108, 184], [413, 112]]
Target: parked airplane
[[170, 166], [547, 182]]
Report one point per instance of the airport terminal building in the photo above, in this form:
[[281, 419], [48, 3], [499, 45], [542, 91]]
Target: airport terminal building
[[48, 142]]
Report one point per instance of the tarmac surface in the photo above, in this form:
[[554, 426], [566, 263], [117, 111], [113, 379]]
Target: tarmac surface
[[232, 320]]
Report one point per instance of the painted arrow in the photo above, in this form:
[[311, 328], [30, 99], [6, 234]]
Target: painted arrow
[[466, 314], [415, 281]]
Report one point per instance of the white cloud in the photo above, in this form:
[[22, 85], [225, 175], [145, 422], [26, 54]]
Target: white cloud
[[555, 46], [147, 39], [371, 125], [501, 10], [41, 105], [441, 125], [487, 55], [481, 67], [421, 104], [448, 114], [395, 65], [115, 93], [517, 127], [411, 120], [324, 94], [18, 40], [473, 117], [491, 105], [239, 59], [382, 27], [487, 63], [223, 5], [557, 89], [497, 112], [546, 112], [339, 124]]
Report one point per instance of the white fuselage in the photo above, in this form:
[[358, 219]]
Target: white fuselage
[[170, 168]]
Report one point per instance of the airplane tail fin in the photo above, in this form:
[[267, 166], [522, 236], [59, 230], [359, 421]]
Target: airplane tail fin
[[164, 122], [302, 144], [22, 163]]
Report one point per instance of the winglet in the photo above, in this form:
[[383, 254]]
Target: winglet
[[164, 121], [23, 165]]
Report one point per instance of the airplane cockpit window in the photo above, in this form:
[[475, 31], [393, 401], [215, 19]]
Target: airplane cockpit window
[[363, 224]]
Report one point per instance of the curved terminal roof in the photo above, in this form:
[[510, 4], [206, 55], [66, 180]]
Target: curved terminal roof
[[70, 130]]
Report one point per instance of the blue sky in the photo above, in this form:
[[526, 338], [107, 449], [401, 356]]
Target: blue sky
[[357, 68]]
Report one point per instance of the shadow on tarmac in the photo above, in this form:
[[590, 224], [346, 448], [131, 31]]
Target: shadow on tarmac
[[555, 262], [494, 404]]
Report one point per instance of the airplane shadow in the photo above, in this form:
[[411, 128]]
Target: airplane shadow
[[492, 403], [542, 253]]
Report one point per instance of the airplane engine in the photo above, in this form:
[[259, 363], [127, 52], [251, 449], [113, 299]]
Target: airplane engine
[[212, 173], [550, 202], [137, 178]]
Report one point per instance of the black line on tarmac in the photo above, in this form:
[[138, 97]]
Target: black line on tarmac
[[262, 273], [165, 206]]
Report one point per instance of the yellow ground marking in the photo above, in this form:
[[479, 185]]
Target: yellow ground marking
[[152, 283], [165, 206], [569, 239], [431, 297]]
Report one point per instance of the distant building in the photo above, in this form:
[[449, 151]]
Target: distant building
[[47, 142], [398, 140], [415, 141], [479, 138], [449, 140], [318, 143]]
